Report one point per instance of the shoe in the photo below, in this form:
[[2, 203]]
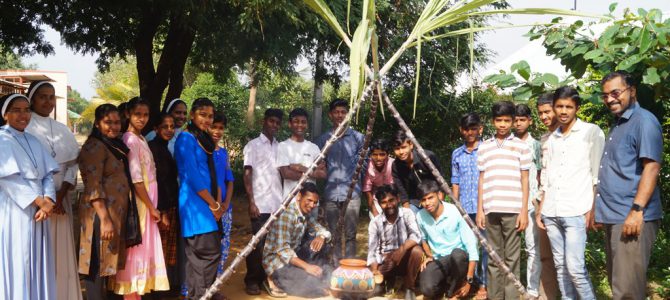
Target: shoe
[[253, 289], [379, 290], [409, 295]]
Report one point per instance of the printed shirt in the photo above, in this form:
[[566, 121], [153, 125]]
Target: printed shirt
[[384, 237], [292, 152], [465, 174], [261, 155], [636, 135], [535, 167], [501, 166], [286, 235], [572, 170], [448, 232], [341, 163], [375, 178]]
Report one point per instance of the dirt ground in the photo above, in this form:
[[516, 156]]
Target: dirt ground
[[241, 234]]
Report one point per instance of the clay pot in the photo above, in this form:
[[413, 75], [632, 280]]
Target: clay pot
[[352, 280]]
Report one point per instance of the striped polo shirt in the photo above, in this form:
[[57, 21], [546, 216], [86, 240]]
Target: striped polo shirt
[[501, 164]]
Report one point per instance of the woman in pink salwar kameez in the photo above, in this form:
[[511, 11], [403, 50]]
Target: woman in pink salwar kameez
[[145, 267]]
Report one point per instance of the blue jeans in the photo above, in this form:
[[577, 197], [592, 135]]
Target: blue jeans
[[534, 263], [480, 270], [567, 236]]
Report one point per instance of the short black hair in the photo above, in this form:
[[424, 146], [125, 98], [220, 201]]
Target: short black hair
[[503, 108], [274, 112], [135, 102], [298, 112], [337, 102], [522, 110], [308, 187], [399, 137], [546, 98], [470, 119], [627, 78], [384, 190], [426, 187], [379, 144], [220, 117], [567, 92]]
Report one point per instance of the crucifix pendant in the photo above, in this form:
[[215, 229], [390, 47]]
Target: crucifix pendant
[[53, 154]]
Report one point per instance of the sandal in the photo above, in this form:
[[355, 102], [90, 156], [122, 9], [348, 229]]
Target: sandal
[[274, 293]]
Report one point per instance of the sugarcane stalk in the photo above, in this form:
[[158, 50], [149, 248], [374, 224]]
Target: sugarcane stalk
[[339, 131], [445, 187], [359, 167]]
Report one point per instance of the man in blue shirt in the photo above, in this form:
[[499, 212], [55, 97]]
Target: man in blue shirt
[[341, 163], [449, 244], [628, 200], [465, 176]]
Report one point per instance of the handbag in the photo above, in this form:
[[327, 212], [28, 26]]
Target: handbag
[[133, 230]]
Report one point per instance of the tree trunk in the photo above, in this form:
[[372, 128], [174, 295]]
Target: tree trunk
[[317, 113], [253, 86], [170, 67]]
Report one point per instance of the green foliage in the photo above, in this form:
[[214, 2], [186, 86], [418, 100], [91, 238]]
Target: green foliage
[[78, 104], [638, 44], [9, 60], [119, 82]]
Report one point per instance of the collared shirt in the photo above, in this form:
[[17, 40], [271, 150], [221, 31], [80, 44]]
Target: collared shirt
[[375, 178], [448, 232], [407, 179], [637, 135], [286, 235], [384, 236], [572, 170], [465, 174], [341, 162], [261, 155], [502, 164], [533, 184]]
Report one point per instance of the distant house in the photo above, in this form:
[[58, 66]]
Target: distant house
[[17, 81]]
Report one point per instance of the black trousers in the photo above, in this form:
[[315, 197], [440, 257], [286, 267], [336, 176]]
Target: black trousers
[[203, 253], [444, 275], [255, 272], [296, 282]]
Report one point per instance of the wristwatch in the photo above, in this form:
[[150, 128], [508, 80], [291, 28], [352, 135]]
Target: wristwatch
[[636, 207], [470, 280]]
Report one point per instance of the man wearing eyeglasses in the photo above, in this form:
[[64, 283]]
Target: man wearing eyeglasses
[[628, 200]]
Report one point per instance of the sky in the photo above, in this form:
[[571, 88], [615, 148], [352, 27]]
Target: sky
[[81, 68]]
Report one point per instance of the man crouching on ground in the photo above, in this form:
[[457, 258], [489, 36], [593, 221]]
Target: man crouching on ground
[[295, 261], [394, 242], [450, 246]]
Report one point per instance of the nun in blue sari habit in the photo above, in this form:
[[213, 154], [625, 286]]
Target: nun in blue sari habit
[[27, 194]]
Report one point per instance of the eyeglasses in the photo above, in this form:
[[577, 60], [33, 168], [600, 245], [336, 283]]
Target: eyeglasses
[[614, 94]]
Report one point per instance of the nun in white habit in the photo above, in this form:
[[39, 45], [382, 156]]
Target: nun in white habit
[[27, 194], [60, 144]]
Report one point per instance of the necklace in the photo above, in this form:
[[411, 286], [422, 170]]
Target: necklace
[[500, 144], [30, 154]]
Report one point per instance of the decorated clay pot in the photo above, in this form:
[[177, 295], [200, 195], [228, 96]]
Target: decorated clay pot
[[352, 280]]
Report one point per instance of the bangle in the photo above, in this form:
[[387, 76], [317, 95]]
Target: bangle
[[218, 206]]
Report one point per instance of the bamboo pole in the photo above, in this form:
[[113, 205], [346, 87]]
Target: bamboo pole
[[359, 166], [264, 230], [445, 187]]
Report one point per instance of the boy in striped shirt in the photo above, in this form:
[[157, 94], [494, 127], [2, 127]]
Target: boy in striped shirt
[[503, 162]]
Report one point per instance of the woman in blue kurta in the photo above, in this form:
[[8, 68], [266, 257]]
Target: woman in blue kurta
[[200, 206], [27, 194]]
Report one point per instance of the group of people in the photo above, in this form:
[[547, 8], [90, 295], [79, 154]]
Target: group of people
[[152, 203]]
